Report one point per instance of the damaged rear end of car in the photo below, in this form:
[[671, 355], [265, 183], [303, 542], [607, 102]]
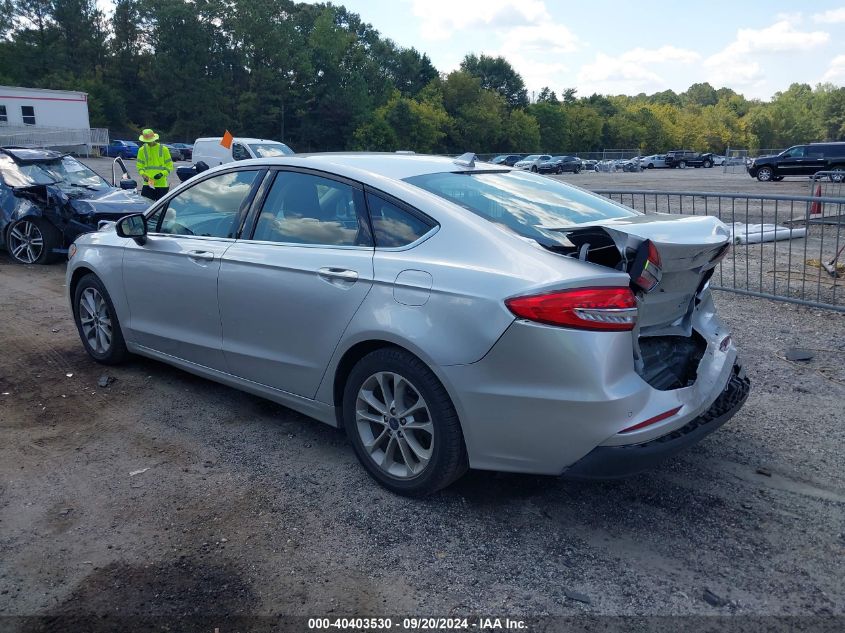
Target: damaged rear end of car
[[680, 347], [618, 362]]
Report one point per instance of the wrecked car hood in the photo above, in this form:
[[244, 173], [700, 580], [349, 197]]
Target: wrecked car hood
[[111, 203]]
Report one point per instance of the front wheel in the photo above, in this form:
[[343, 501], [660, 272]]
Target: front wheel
[[402, 423], [765, 174], [577, 170], [31, 240], [534, 168], [682, 164], [97, 323], [707, 164]]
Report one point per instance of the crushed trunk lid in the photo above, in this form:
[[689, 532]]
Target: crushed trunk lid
[[688, 248]]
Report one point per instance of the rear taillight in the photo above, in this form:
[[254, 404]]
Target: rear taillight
[[604, 309], [646, 270]]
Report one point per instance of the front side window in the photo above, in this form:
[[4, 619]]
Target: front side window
[[28, 115], [307, 209], [530, 205], [210, 208], [394, 227], [795, 152]]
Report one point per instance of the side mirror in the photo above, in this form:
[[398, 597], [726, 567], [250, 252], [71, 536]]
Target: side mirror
[[134, 226], [128, 183], [201, 166]]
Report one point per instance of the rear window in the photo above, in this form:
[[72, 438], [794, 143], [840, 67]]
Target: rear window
[[530, 205]]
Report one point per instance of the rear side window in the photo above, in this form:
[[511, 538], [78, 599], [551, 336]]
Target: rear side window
[[530, 205], [210, 208], [308, 209], [394, 227]]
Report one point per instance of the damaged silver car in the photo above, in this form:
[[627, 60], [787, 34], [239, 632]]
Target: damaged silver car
[[449, 314]]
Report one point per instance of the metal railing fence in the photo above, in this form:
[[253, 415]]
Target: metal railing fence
[[788, 248], [830, 184], [50, 137]]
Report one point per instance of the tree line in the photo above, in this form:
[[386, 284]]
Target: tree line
[[319, 78]]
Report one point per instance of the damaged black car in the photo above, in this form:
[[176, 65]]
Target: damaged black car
[[48, 198]]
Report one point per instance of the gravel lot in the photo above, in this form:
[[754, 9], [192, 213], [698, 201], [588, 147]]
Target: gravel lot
[[240, 506]]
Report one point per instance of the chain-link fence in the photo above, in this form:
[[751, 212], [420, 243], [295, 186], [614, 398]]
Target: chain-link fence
[[788, 248]]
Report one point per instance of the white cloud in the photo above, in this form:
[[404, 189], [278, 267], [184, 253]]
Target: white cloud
[[540, 38], [439, 19], [836, 71], [630, 72], [780, 37], [833, 16], [740, 63]]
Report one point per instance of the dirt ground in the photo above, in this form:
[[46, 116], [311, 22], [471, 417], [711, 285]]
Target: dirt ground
[[163, 494]]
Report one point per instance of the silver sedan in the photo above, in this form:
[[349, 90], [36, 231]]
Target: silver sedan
[[448, 313]]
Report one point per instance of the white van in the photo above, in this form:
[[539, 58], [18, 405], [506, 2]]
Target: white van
[[212, 153]]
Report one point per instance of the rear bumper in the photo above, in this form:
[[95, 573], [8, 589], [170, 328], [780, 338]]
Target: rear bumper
[[612, 462], [543, 398]]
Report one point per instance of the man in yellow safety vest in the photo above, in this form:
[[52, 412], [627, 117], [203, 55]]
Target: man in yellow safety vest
[[154, 165]]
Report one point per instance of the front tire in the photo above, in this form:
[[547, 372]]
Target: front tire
[[707, 164], [31, 240], [402, 423], [534, 168], [765, 174], [97, 323], [682, 164]]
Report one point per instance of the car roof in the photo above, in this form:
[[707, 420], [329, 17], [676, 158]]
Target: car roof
[[368, 165], [27, 155], [239, 139]]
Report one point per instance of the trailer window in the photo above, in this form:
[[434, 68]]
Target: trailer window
[[28, 115]]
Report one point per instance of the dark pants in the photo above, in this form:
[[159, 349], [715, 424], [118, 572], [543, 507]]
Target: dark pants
[[154, 193]]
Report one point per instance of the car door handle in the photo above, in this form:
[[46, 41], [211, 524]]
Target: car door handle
[[338, 274], [201, 256]]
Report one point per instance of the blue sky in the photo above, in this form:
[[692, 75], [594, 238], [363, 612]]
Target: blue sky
[[615, 47]]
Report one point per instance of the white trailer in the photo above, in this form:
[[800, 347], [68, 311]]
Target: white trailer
[[36, 117]]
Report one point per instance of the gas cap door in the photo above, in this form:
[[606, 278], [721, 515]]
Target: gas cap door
[[412, 287]]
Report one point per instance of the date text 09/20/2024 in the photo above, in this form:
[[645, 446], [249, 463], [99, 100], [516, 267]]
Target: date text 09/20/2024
[[417, 624]]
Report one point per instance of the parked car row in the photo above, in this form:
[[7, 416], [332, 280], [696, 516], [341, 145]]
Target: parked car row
[[129, 149]]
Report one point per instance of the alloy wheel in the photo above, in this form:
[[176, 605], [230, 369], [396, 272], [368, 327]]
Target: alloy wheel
[[95, 320], [394, 425], [764, 174], [26, 242]]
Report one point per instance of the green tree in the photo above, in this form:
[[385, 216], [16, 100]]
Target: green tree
[[496, 74]]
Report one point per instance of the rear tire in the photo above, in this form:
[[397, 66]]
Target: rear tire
[[838, 177], [97, 323], [413, 454], [707, 164], [534, 168], [682, 164]]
